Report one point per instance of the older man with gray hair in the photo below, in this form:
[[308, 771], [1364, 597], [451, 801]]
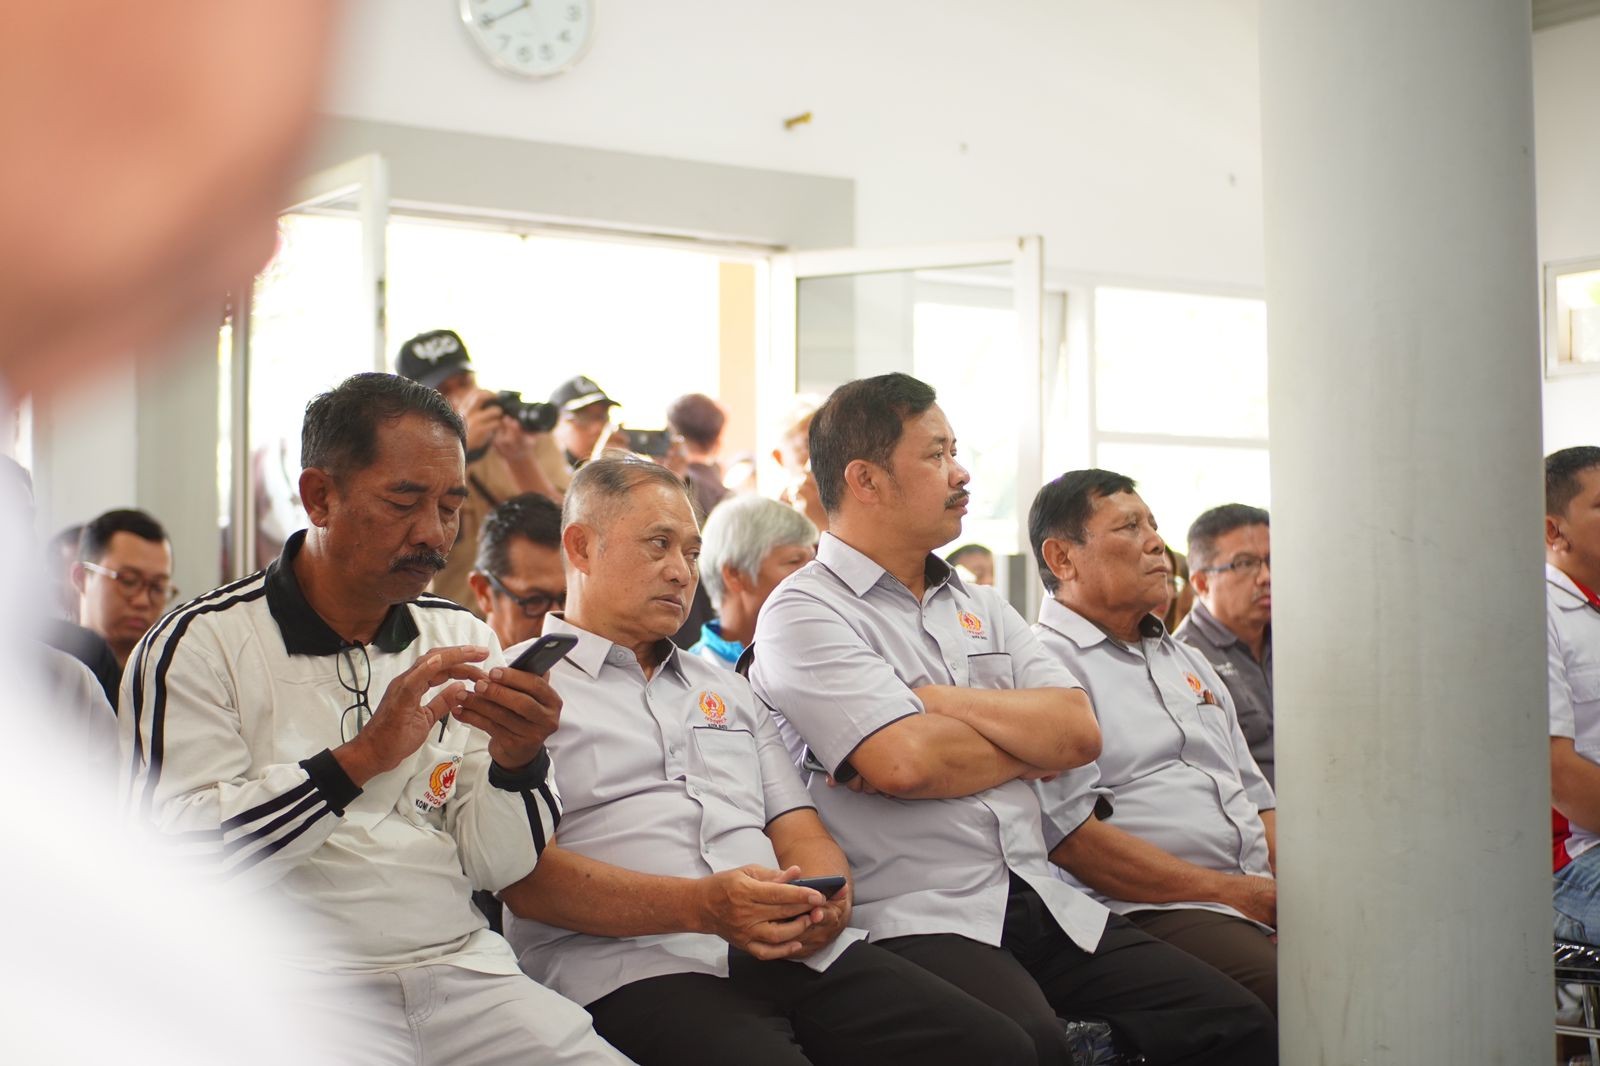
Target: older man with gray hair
[[751, 544]]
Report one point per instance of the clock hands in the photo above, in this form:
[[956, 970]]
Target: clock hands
[[492, 19]]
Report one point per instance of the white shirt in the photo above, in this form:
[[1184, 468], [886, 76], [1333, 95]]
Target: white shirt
[[678, 776], [1172, 753], [1573, 662], [839, 647], [230, 707]]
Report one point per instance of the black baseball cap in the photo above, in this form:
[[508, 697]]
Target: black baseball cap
[[432, 358], [579, 392]]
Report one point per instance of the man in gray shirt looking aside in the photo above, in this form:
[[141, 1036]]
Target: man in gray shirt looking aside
[[924, 707]]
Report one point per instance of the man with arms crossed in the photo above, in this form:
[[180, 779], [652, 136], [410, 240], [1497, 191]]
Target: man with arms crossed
[[1572, 599], [1188, 854], [292, 724], [684, 823], [936, 705]]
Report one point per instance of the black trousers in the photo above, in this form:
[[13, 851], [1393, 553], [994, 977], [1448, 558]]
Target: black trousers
[[1171, 1006], [870, 1006], [1236, 947]]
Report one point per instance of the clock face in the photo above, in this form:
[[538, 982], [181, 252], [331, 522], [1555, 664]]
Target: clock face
[[533, 38]]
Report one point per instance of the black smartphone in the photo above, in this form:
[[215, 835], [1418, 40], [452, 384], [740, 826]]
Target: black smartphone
[[652, 442], [826, 885], [544, 653]]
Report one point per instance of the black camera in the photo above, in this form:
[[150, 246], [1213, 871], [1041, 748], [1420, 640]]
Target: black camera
[[532, 417]]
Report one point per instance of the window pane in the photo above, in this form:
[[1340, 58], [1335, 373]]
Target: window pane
[[1181, 364], [1179, 483], [1577, 323]]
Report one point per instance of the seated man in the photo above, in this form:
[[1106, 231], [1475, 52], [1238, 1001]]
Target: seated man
[[124, 575], [1230, 552], [684, 823], [247, 717], [699, 420], [519, 578], [751, 544], [936, 704], [1188, 855], [1572, 599]]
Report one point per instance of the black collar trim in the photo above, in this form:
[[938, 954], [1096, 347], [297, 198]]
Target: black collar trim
[[304, 631]]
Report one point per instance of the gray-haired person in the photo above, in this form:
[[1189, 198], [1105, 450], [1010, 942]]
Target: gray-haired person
[[751, 545]]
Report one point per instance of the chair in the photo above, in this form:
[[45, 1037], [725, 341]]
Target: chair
[[1579, 964]]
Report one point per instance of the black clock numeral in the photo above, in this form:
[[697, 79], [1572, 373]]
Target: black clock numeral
[[546, 52], [565, 36], [525, 54], [574, 13], [505, 39]]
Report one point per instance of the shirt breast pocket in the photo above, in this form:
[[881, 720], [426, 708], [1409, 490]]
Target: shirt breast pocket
[[1585, 682], [990, 669], [431, 787], [724, 762]]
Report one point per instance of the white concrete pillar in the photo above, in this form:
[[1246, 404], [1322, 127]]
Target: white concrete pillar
[[1406, 484]]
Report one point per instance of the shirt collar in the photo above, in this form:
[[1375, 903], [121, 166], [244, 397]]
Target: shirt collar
[[1575, 599], [860, 573], [304, 631], [1057, 616], [1207, 623], [725, 649], [593, 651]]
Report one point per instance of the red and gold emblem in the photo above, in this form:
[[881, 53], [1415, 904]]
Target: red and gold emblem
[[714, 707], [971, 623]]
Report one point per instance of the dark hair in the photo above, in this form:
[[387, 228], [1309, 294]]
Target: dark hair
[[698, 419], [340, 433], [1561, 470], [1214, 523], [95, 540], [954, 558], [68, 539], [1063, 506], [529, 515], [863, 419]]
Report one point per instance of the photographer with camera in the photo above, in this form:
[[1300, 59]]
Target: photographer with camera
[[505, 435]]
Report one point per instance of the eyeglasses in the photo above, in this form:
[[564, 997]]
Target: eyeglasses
[[534, 603], [1242, 564], [355, 676], [130, 583]]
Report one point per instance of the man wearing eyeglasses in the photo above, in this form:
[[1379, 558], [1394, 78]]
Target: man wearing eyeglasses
[[124, 576], [358, 751], [1186, 851], [518, 577], [1230, 560]]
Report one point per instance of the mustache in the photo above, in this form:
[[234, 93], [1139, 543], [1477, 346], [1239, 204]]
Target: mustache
[[958, 499], [433, 560]]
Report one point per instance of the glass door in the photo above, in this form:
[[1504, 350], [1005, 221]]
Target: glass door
[[965, 318], [312, 317]]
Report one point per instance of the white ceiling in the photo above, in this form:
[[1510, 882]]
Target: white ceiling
[[1547, 13]]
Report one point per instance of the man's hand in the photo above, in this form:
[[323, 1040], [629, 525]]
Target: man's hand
[[517, 709], [827, 922], [483, 420], [757, 911], [402, 721], [1254, 897]]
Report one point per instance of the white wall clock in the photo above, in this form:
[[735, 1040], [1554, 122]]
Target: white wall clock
[[531, 38]]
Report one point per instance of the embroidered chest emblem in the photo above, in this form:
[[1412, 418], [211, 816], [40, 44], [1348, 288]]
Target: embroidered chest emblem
[[441, 782], [1205, 694], [714, 708], [971, 623]]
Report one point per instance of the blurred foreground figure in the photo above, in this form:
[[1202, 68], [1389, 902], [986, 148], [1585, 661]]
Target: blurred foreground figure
[[149, 147]]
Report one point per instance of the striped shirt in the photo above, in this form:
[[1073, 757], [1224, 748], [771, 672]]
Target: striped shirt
[[230, 709]]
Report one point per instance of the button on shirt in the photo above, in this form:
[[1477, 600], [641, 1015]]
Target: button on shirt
[[679, 776], [838, 649], [1171, 750], [1249, 682], [1574, 681]]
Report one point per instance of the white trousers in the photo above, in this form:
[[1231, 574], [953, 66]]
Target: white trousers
[[449, 1016]]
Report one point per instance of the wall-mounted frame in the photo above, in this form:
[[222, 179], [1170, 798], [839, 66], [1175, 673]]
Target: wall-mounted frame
[[1572, 317]]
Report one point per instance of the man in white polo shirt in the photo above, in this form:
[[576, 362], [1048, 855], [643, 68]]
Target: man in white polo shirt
[[1187, 855], [665, 904], [292, 726], [1572, 598], [929, 705]]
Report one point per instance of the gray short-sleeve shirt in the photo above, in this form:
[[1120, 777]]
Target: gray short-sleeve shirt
[[1171, 750], [678, 775], [1248, 681], [839, 647]]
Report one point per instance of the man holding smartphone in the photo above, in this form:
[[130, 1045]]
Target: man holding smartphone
[[669, 903], [932, 706], [357, 750]]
